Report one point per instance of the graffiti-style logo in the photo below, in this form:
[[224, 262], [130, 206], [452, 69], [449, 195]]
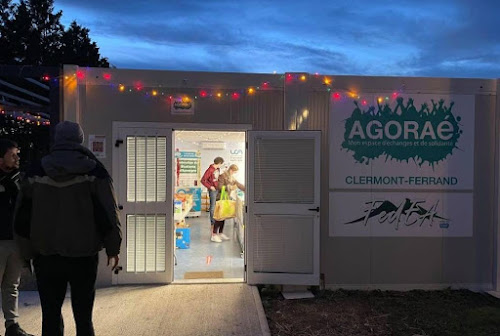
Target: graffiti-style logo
[[183, 105], [408, 213], [403, 134]]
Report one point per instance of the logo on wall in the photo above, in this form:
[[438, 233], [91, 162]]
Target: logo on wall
[[429, 134], [182, 105], [236, 155], [408, 213]]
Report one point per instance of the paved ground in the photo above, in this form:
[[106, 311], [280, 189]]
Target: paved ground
[[180, 310]]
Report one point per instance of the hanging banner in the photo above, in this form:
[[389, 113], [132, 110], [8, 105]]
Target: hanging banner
[[400, 214], [420, 141], [388, 154]]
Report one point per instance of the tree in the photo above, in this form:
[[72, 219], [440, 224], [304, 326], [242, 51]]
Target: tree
[[31, 34], [77, 47], [6, 10]]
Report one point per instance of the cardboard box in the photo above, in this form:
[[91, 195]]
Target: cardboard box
[[183, 238]]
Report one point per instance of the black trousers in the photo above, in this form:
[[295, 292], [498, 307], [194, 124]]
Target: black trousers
[[53, 273], [218, 226]]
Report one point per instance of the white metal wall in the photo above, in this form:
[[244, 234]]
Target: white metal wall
[[375, 262]]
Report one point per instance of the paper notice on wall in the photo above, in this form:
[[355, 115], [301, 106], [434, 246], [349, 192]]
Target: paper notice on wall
[[97, 145]]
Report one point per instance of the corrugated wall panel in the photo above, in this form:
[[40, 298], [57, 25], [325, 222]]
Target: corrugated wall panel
[[264, 110]]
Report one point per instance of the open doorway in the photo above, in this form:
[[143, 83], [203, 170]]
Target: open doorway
[[198, 257]]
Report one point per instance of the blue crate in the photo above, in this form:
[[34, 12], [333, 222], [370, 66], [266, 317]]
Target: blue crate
[[183, 238]]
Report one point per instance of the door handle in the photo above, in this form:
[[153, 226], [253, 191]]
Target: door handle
[[314, 209]]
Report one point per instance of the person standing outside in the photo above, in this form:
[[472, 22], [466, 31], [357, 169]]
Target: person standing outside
[[66, 215], [209, 180], [11, 263]]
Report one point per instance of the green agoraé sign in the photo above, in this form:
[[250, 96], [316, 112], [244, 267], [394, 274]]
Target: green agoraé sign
[[424, 135]]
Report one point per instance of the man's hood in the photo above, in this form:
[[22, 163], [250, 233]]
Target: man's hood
[[61, 165]]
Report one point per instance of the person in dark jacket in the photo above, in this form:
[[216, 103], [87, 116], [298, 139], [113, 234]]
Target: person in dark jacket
[[66, 215], [11, 263]]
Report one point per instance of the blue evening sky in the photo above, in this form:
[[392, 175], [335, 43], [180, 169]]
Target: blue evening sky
[[438, 38]]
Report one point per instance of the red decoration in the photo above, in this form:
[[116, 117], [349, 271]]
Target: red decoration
[[138, 86], [80, 74]]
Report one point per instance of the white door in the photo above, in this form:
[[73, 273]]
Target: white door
[[144, 181], [283, 207]]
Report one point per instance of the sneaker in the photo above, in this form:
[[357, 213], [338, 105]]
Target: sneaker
[[16, 330], [215, 238], [223, 236]]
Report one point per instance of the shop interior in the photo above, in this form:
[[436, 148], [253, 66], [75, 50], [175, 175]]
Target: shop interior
[[197, 257]]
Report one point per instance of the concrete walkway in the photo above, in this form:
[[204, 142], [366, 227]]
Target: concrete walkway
[[177, 310]]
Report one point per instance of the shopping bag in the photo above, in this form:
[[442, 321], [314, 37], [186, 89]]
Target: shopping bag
[[224, 207]]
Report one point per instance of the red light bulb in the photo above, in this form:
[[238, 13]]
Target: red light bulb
[[80, 74]]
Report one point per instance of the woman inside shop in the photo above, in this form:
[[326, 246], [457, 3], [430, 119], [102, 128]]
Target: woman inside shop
[[228, 181]]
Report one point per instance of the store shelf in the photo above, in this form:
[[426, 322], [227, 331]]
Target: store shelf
[[181, 215]]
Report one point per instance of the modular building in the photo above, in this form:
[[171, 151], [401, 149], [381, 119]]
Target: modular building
[[351, 182]]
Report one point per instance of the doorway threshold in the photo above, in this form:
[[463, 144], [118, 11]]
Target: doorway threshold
[[208, 281]]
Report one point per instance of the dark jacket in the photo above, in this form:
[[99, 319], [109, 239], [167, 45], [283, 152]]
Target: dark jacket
[[9, 189], [68, 207]]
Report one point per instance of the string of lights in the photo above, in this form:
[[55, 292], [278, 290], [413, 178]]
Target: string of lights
[[172, 93]]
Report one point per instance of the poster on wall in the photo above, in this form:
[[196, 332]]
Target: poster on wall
[[405, 141], [188, 168], [97, 145], [400, 214]]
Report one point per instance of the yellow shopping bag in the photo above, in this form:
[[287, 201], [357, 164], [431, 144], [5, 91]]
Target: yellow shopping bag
[[224, 208]]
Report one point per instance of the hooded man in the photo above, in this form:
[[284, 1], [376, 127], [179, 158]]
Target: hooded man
[[11, 263], [67, 214]]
